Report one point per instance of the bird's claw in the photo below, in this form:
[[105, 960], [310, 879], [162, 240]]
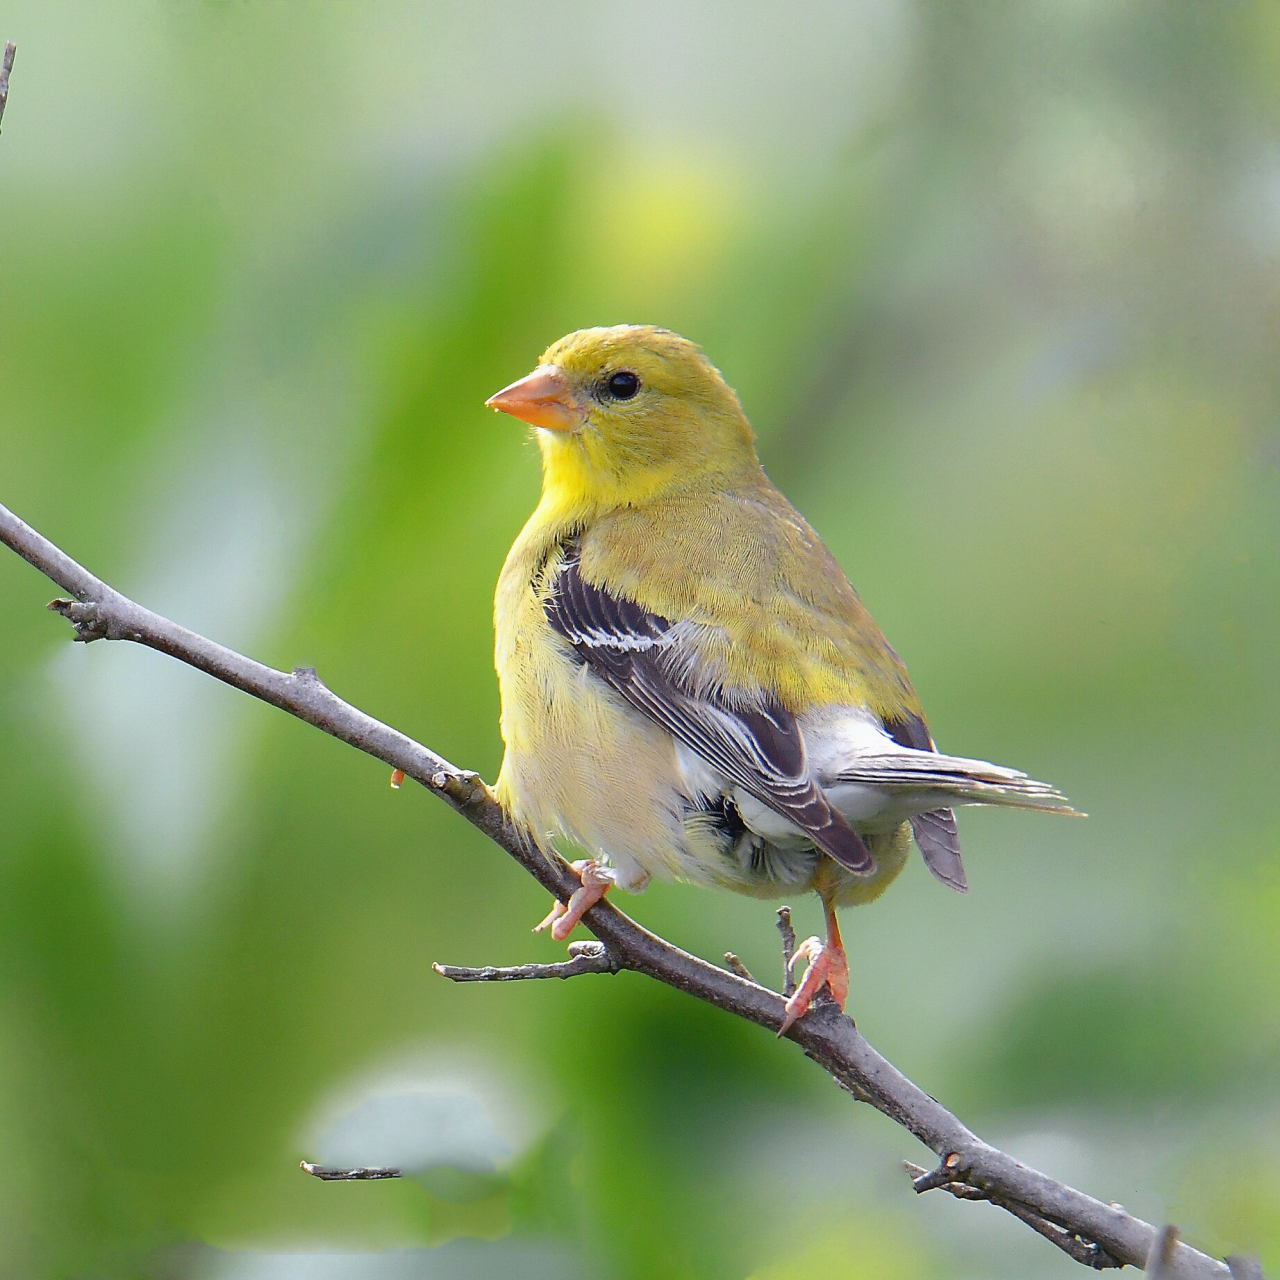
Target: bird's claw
[[597, 880], [826, 965]]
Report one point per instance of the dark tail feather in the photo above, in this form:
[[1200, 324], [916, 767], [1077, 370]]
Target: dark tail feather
[[939, 841]]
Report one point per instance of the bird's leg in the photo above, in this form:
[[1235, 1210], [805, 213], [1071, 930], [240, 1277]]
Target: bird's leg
[[597, 880], [827, 966]]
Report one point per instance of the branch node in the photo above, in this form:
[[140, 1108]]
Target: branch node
[[854, 1090], [464, 787], [949, 1171], [309, 676], [364, 1173], [90, 620], [735, 965], [1078, 1247]]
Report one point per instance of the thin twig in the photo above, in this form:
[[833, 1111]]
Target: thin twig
[[831, 1040], [587, 957], [947, 1174], [735, 965], [1086, 1252], [788, 950], [6, 65], [327, 1173]]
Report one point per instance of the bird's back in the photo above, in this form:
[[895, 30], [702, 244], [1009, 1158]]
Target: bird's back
[[778, 611]]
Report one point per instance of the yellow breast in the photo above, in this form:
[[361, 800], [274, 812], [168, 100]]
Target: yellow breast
[[579, 762]]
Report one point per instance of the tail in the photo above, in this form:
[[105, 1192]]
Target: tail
[[958, 780]]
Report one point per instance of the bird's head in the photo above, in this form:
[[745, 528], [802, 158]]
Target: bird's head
[[627, 413]]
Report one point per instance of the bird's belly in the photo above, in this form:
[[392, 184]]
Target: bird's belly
[[583, 765]]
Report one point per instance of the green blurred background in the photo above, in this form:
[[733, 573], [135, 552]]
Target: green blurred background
[[999, 284]]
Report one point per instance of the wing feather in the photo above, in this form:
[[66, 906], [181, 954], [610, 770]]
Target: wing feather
[[646, 658]]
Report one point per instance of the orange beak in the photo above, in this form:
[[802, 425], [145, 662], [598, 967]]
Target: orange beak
[[542, 399]]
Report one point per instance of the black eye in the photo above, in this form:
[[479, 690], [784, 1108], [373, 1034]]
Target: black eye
[[623, 385]]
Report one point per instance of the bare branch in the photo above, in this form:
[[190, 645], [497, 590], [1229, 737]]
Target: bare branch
[[587, 957], [327, 1173], [6, 65], [826, 1036]]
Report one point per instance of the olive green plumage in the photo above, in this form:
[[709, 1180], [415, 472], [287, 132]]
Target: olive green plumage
[[690, 685]]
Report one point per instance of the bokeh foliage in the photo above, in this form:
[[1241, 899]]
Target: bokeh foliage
[[999, 284]]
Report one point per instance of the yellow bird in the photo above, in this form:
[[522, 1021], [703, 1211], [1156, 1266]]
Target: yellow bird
[[691, 688]]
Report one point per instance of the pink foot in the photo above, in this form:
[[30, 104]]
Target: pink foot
[[596, 882], [828, 966]]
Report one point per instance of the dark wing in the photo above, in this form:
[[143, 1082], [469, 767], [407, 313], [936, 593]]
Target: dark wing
[[758, 747], [935, 832]]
